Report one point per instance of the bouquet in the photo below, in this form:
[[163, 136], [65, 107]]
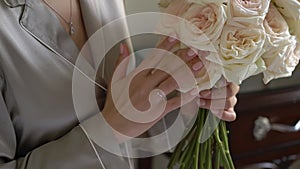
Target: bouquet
[[244, 38]]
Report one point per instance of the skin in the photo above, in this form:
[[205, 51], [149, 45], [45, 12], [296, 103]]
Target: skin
[[145, 82], [63, 8]]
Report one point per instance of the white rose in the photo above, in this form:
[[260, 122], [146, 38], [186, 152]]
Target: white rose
[[168, 23], [281, 56], [202, 26], [198, 26], [201, 2], [281, 61], [276, 28], [249, 8], [210, 75], [294, 27], [290, 9], [240, 52]]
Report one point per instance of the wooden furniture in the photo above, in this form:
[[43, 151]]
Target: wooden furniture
[[265, 131]]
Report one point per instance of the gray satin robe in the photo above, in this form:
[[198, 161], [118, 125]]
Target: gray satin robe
[[38, 126]]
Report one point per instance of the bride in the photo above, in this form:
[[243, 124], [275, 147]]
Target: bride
[[40, 43]]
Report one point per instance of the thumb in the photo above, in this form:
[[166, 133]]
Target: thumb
[[122, 62]]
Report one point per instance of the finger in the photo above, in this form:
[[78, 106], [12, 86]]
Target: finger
[[175, 103], [122, 62], [178, 101], [191, 57], [228, 91], [187, 55], [227, 115], [168, 43], [170, 64], [196, 65], [191, 62], [168, 86], [124, 52], [217, 103]]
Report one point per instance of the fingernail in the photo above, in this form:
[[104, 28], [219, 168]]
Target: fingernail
[[194, 92], [197, 66], [200, 103], [172, 38], [122, 49], [222, 83], [191, 53], [205, 93]]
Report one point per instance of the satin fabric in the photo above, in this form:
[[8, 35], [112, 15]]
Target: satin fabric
[[39, 128]]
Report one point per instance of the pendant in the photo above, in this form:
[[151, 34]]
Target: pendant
[[72, 28]]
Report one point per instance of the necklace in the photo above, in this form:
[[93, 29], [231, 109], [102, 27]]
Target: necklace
[[68, 22]]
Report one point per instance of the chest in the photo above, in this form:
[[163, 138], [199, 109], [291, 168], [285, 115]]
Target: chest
[[70, 16]]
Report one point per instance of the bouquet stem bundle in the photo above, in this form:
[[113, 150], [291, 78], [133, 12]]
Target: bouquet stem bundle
[[190, 153]]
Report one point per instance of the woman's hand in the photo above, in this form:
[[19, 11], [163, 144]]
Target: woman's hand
[[120, 102], [220, 101]]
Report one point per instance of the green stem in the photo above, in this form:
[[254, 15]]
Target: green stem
[[217, 157], [209, 144], [188, 157], [224, 135], [203, 146], [224, 138], [202, 155], [175, 155], [200, 121], [190, 153], [221, 147], [186, 151], [181, 147], [196, 161]]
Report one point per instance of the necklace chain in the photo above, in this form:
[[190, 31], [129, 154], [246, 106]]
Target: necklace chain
[[68, 22]]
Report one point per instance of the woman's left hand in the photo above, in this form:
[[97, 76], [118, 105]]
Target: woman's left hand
[[220, 101]]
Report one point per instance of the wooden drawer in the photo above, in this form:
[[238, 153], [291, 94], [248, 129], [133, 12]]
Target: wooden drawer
[[280, 106]]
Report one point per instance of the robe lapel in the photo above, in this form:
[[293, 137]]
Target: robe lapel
[[43, 25]]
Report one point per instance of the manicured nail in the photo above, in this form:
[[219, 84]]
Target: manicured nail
[[222, 83], [122, 49], [205, 93], [172, 38], [191, 53], [197, 66]]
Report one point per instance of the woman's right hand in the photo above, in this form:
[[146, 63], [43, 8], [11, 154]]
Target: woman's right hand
[[129, 111], [121, 101]]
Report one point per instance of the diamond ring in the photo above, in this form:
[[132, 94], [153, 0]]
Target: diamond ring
[[161, 95]]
